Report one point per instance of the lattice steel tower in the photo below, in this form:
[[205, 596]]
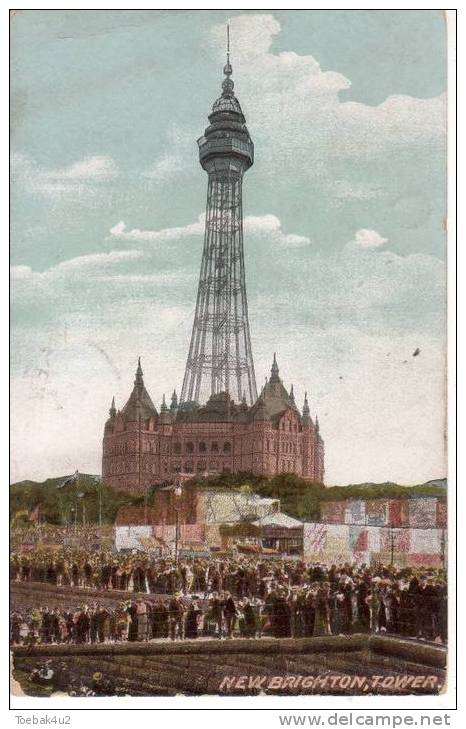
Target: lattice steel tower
[[220, 355]]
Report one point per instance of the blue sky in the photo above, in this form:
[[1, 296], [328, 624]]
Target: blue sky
[[344, 227]]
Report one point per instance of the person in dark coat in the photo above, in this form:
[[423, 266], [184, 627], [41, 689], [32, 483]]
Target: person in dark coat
[[46, 626], [250, 627], [308, 613], [192, 621], [82, 625], [176, 612], [216, 613], [70, 626], [229, 613], [15, 626], [55, 626], [102, 616], [93, 619], [281, 616], [362, 606], [132, 611]]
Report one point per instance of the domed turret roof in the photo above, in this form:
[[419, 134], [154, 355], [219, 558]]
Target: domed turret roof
[[275, 394], [139, 403], [227, 104]]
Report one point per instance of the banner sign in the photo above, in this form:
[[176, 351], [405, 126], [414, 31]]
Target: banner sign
[[423, 512]]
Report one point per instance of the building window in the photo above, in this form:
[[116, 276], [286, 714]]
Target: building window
[[214, 447], [188, 468], [227, 447], [177, 468], [177, 448], [202, 447], [201, 466], [189, 447]]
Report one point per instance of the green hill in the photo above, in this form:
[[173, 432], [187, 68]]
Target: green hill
[[59, 505], [298, 498]]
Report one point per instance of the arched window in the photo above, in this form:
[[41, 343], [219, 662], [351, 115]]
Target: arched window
[[177, 448], [227, 447], [202, 447], [214, 447], [189, 447]]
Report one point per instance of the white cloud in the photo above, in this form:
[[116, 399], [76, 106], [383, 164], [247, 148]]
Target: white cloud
[[92, 263], [254, 224], [79, 178], [367, 239], [166, 167], [164, 234], [297, 105], [91, 168], [348, 190]]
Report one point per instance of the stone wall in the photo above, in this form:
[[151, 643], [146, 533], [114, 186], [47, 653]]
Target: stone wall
[[233, 667]]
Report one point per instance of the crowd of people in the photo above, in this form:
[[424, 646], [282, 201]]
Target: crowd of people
[[228, 597]]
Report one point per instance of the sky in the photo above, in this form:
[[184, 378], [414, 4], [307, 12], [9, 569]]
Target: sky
[[344, 222]]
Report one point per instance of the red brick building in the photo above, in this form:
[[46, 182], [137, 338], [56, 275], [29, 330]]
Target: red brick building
[[143, 447]]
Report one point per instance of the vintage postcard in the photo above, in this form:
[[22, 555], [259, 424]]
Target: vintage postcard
[[228, 354]]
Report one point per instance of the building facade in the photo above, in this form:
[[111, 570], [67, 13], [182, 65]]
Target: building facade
[[143, 447]]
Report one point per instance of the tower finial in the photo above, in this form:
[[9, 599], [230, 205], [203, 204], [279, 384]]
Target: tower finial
[[112, 410], [292, 394], [274, 371], [228, 84], [138, 380]]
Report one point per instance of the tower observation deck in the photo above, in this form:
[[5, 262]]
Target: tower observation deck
[[220, 354]]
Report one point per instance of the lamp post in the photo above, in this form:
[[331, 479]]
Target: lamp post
[[177, 492], [392, 544], [98, 482]]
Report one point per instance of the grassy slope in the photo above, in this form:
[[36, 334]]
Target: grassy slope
[[298, 498]]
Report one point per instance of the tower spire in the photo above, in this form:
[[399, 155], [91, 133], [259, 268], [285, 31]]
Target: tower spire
[[292, 394], [112, 411], [274, 371], [138, 379], [306, 411], [227, 84]]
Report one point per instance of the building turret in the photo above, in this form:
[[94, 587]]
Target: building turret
[[112, 411], [260, 410], [306, 412], [292, 395], [139, 405], [174, 402], [274, 371], [165, 415]]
